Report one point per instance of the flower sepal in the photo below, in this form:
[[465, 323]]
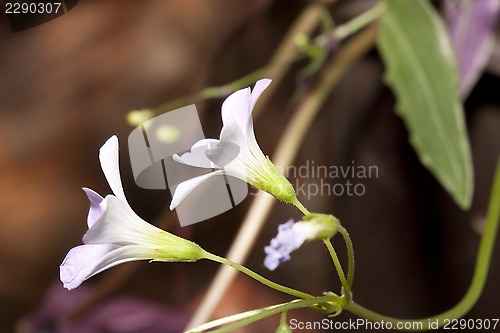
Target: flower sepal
[[274, 183], [184, 251], [322, 226]]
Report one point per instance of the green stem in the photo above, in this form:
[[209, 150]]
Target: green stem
[[283, 318], [261, 279], [269, 311], [211, 92], [283, 327], [339, 33], [478, 280], [340, 271], [300, 206], [286, 151], [350, 255], [352, 26]]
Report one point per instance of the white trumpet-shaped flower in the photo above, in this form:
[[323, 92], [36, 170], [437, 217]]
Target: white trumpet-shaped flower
[[116, 234], [237, 152]]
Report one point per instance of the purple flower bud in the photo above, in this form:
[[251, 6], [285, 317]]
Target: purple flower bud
[[292, 235], [287, 241]]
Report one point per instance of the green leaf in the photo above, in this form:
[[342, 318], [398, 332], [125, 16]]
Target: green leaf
[[421, 70]]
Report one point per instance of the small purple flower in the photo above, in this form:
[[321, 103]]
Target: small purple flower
[[116, 234], [287, 241], [292, 235]]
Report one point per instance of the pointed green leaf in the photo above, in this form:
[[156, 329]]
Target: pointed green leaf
[[421, 70]]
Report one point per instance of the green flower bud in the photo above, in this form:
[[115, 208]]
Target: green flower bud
[[325, 226]]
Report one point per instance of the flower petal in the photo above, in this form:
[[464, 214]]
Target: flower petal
[[186, 187], [237, 115], [231, 132], [197, 156], [84, 261], [259, 88], [236, 111], [287, 241], [471, 26], [80, 261], [237, 108], [95, 211], [223, 153], [108, 155], [120, 225], [274, 258]]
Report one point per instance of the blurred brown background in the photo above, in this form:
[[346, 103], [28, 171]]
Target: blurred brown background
[[67, 85]]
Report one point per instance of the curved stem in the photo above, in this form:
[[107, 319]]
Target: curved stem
[[283, 318], [354, 25], [300, 206], [478, 280], [232, 322], [261, 279], [286, 55], [350, 255], [209, 93], [340, 271], [286, 151]]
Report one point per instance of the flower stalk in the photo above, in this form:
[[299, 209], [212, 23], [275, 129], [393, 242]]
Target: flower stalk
[[255, 276], [350, 255], [476, 287], [346, 289]]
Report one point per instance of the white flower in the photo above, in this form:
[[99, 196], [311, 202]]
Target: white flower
[[292, 235], [116, 234], [237, 152]]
